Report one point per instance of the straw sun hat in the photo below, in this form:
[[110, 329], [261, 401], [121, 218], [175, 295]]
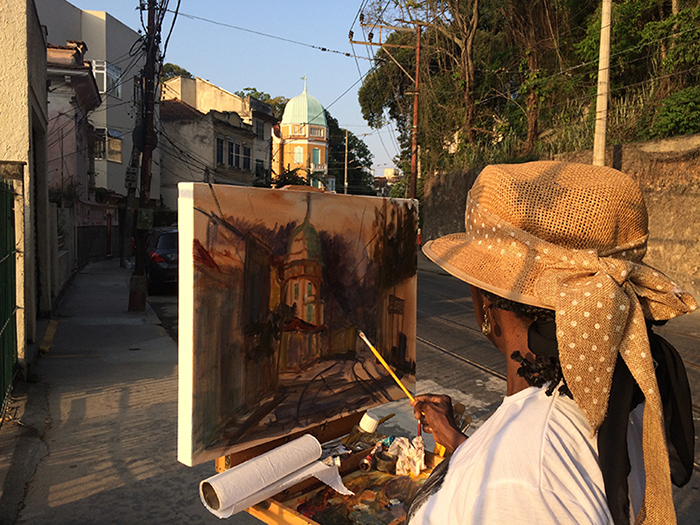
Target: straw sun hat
[[571, 238]]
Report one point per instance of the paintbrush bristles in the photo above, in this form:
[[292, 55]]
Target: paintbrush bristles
[[385, 365]]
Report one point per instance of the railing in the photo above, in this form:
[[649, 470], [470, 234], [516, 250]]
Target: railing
[[8, 305]]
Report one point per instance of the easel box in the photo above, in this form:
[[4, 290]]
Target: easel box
[[279, 509]]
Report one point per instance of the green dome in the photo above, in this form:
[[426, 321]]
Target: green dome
[[304, 244], [304, 109]]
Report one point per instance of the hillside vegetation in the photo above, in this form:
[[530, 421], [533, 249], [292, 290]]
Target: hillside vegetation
[[513, 80]]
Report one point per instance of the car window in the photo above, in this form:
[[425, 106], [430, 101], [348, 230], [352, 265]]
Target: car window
[[168, 241]]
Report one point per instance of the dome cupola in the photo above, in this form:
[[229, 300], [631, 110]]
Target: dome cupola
[[304, 109]]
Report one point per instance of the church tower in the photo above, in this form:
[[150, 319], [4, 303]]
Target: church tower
[[303, 141]]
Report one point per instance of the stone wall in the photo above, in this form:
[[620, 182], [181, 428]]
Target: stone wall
[[668, 172]]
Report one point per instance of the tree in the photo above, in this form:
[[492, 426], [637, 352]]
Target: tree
[[359, 159], [170, 70], [289, 178], [511, 80], [277, 103]]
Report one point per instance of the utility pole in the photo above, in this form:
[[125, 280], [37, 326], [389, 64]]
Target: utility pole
[[345, 177], [384, 46], [414, 144], [138, 286], [601, 110]]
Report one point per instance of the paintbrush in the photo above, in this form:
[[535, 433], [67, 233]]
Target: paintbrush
[[385, 365], [439, 448]]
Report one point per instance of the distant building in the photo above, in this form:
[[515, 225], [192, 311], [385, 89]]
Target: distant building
[[302, 141], [214, 147], [72, 145], [204, 97], [391, 175], [117, 57]]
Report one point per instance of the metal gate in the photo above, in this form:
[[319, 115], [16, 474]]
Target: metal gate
[[8, 304]]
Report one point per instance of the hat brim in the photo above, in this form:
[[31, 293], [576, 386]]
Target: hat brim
[[439, 251]]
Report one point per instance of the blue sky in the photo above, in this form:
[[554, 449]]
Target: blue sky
[[234, 59]]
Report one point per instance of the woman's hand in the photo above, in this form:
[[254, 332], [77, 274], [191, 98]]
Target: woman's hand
[[435, 415]]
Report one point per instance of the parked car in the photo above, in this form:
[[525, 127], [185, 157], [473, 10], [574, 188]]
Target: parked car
[[161, 266]]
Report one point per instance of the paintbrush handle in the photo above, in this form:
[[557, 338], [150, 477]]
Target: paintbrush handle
[[385, 365]]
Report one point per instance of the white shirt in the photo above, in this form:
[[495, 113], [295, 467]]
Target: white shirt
[[532, 461]]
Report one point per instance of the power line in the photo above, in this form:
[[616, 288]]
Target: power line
[[260, 33]]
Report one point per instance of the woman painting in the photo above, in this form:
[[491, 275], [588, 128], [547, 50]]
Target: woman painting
[[597, 421]]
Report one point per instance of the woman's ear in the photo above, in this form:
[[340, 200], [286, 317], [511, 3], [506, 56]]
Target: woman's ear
[[481, 303]]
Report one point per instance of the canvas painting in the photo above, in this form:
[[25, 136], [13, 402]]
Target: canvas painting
[[274, 287]]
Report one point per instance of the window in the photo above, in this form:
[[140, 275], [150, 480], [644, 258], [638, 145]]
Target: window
[[296, 291], [316, 132], [219, 151], [316, 156], [246, 158], [108, 78], [231, 146], [99, 151], [298, 155], [309, 289], [114, 146], [237, 156], [108, 146], [297, 130], [259, 168], [260, 129], [137, 91]]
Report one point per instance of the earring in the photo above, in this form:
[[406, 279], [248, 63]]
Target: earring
[[486, 326]]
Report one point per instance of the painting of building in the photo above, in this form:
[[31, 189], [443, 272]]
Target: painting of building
[[274, 287]]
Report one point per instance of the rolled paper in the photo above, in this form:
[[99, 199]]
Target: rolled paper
[[257, 479]]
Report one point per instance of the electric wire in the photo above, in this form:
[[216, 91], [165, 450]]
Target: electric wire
[[260, 33]]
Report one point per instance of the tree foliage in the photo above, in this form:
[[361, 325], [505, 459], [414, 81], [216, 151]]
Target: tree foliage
[[277, 103], [170, 70], [507, 80], [359, 159]]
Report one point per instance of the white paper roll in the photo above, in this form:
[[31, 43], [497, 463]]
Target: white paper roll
[[235, 489]]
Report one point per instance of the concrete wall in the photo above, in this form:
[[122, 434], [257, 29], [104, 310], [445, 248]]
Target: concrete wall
[[23, 129], [197, 138], [70, 16], [668, 172]]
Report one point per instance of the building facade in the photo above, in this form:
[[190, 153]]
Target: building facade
[[204, 97], [117, 57], [214, 147], [301, 142], [72, 145]]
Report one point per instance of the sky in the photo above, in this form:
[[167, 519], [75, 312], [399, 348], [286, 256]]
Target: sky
[[234, 59]]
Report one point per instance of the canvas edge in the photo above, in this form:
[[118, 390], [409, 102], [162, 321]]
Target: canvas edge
[[185, 220]]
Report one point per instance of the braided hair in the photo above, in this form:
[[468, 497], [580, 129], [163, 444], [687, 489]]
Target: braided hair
[[543, 370]]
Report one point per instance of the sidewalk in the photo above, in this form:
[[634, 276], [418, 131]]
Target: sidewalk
[[93, 438]]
